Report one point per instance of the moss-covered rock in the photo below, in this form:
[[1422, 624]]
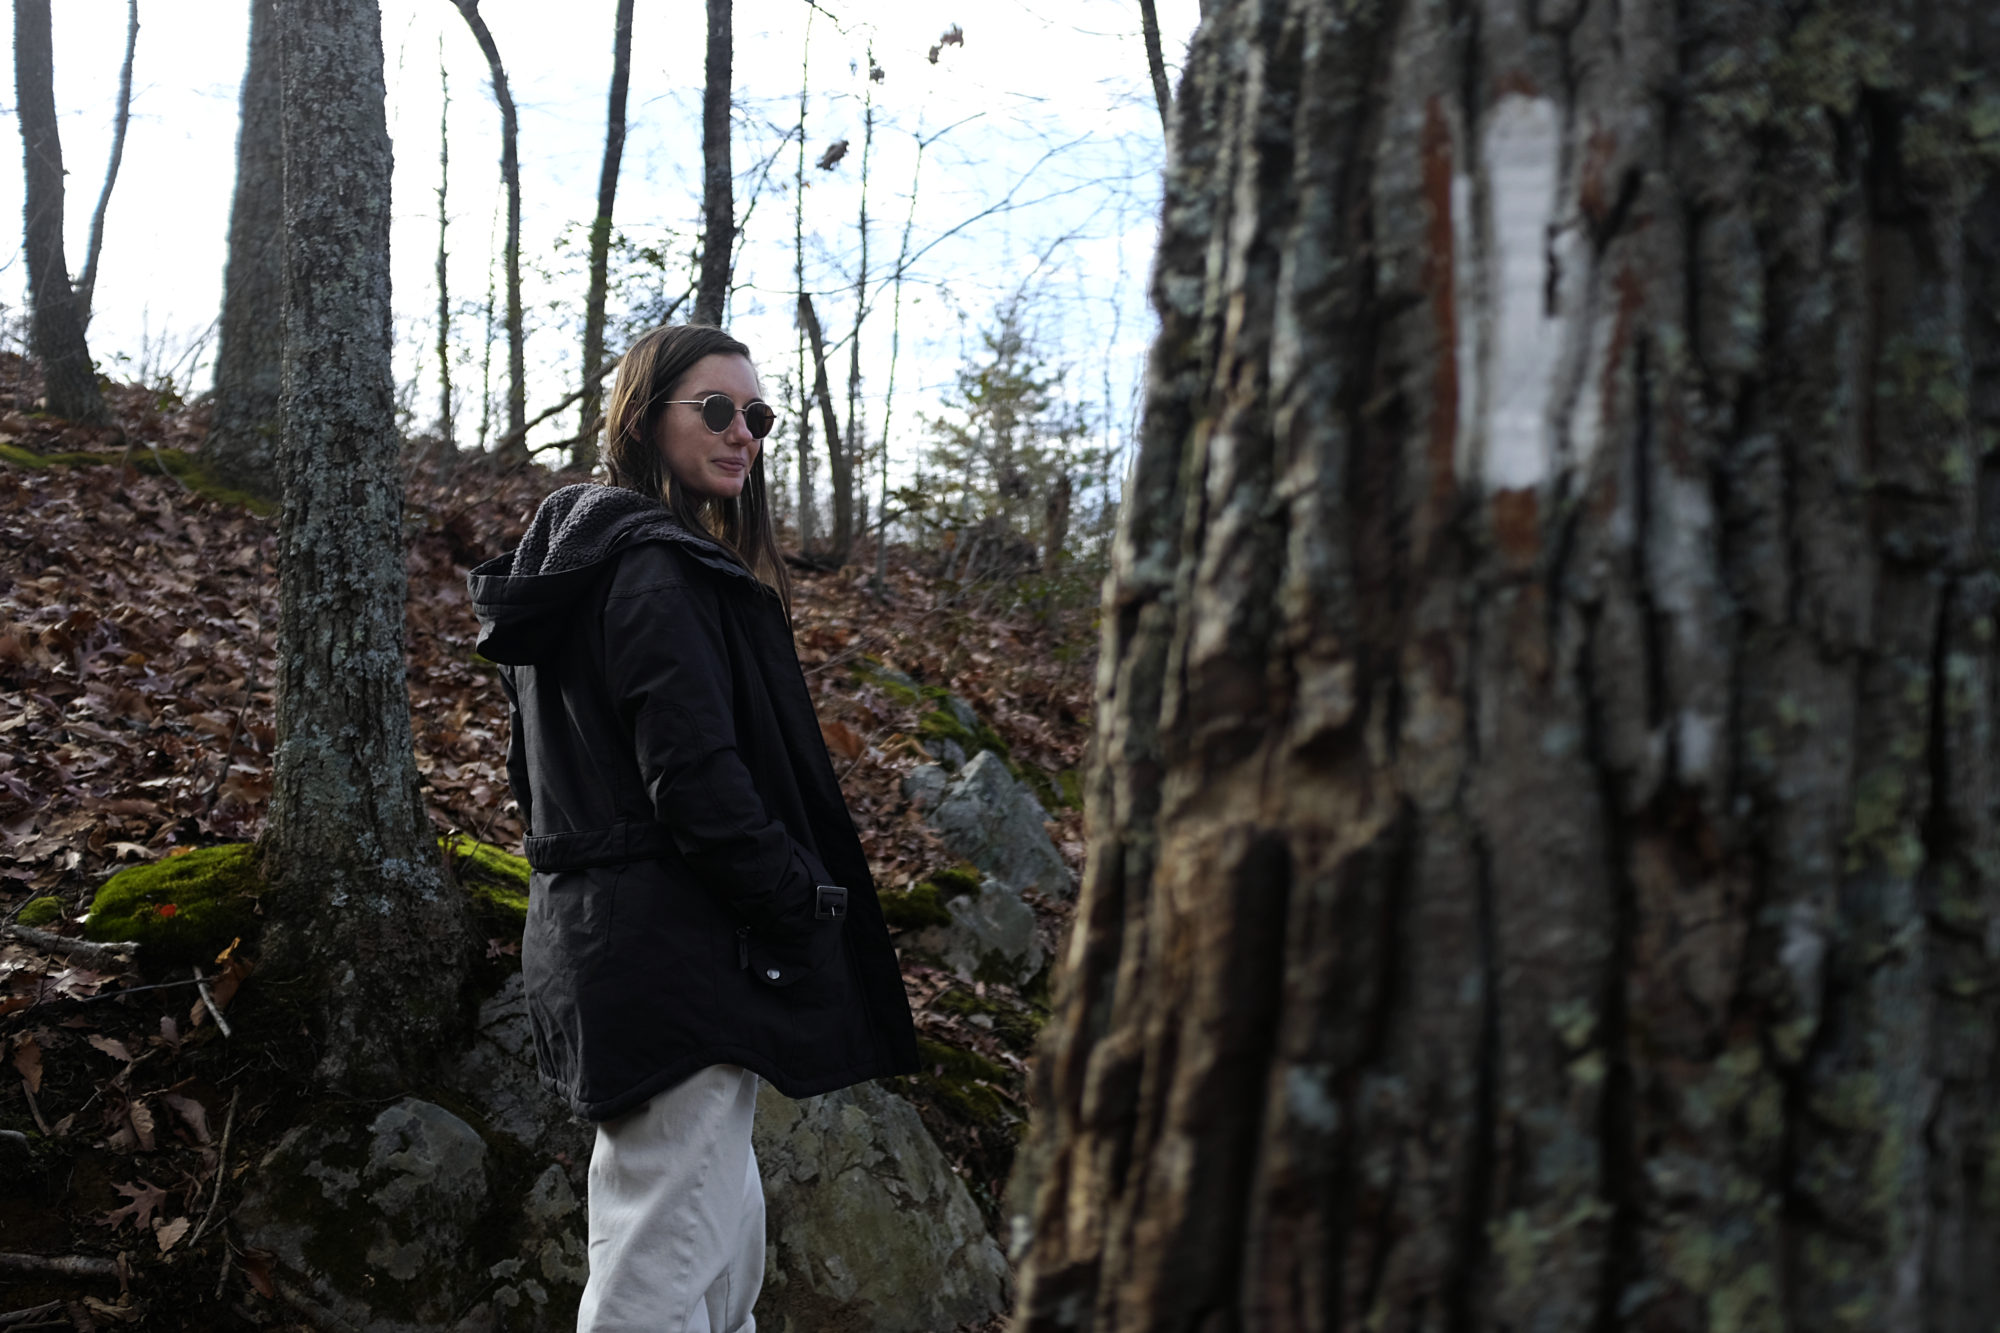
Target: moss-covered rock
[[41, 911], [964, 1082], [185, 908], [1016, 1024], [949, 724], [914, 908]]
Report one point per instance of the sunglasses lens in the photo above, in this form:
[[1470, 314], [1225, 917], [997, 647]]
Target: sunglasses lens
[[716, 411], [759, 418]]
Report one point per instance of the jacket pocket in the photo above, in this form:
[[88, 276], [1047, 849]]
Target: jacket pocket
[[577, 912], [784, 961]]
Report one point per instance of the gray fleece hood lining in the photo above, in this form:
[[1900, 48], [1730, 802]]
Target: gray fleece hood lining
[[573, 533]]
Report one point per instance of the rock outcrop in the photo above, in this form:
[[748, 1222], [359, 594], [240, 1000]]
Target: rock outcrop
[[417, 1219], [991, 936], [986, 816], [870, 1231]]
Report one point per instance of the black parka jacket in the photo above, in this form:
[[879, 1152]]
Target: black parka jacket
[[687, 833]]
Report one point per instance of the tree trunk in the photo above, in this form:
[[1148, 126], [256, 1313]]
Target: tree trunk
[[69, 380], [807, 516], [121, 120], [1543, 862], [718, 204], [584, 456], [1156, 60], [857, 471], [368, 937], [840, 473], [516, 448], [1055, 523], [447, 419], [242, 443]]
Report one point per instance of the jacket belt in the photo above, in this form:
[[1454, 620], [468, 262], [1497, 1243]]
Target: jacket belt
[[616, 844]]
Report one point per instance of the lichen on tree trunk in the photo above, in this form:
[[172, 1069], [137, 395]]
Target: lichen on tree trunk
[[1542, 867], [365, 937]]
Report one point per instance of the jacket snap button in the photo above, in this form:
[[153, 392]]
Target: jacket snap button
[[772, 974]]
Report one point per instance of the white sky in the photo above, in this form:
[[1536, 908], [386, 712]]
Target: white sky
[[1063, 117]]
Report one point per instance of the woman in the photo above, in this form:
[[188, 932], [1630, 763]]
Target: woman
[[701, 914]]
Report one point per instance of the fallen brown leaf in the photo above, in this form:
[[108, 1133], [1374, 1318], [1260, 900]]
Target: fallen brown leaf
[[28, 1060]]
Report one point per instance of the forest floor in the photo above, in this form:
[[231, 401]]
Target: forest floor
[[138, 615]]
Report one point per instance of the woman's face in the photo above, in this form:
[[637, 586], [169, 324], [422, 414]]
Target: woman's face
[[710, 466]]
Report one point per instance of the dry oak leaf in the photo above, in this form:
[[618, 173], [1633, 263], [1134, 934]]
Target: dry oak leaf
[[842, 739], [192, 1112], [171, 1232], [146, 1199], [28, 1060], [111, 1046]]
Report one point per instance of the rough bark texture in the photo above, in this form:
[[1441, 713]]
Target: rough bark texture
[[366, 939], [584, 456], [515, 447], [57, 318], [1543, 865], [242, 444], [718, 203]]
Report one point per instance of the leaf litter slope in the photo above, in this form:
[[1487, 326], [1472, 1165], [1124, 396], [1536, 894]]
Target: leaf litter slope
[[137, 649]]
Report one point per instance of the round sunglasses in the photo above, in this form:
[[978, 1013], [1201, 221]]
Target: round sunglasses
[[719, 409]]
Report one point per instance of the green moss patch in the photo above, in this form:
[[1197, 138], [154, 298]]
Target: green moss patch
[[497, 883], [957, 880], [913, 908], [1055, 791], [943, 724], [964, 1082], [40, 911], [183, 909], [176, 463], [1016, 1025]]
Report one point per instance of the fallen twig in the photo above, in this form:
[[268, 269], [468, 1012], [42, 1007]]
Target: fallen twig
[[118, 954], [31, 1314], [221, 1173], [60, 1265], [201, 984], [35, 1109]]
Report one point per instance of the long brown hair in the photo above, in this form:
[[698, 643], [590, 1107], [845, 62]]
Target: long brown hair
[[649, 377]]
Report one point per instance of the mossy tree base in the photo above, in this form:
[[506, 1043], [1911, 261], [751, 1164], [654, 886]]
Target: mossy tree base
[[190, 906]]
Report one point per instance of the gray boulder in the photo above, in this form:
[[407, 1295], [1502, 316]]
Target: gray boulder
[[996, 823], [870, 1231], [924, 786], [991, 936], [404, 1220], [380, 1206]]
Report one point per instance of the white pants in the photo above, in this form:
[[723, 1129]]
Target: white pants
[[677, 1213]]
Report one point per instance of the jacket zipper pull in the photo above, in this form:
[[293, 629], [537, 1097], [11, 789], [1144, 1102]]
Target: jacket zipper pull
[[743, 946]]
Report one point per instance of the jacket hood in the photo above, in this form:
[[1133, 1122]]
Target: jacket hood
[[523, 598]]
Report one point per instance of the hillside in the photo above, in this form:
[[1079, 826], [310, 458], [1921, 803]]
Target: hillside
[[137, 619]]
